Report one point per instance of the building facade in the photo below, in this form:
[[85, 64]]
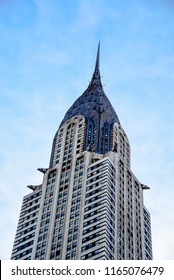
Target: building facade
[[90, 204]]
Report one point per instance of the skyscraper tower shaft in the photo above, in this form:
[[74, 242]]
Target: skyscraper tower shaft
[[90, 204]]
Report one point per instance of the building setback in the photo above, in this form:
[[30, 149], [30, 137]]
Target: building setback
[[90, 204]]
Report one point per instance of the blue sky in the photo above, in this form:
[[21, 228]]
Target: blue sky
[[47, 57]]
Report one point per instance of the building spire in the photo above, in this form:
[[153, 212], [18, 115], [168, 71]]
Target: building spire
[[94, 105], [97, 64], [96, 80]]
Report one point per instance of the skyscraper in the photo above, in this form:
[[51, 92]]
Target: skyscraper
[[90, 204]]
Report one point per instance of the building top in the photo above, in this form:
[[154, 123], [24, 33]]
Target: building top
[[93, 103]]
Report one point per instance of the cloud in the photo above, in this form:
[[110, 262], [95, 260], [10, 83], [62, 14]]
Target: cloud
[[4, 3], [162, 221]]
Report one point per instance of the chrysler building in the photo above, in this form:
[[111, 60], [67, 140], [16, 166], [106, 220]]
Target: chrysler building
[[89, 205]]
